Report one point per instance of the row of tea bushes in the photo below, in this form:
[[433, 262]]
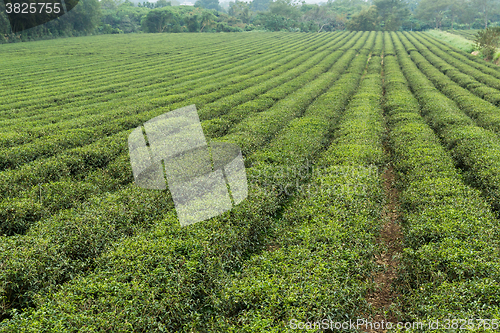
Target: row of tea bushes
[[319, 265], [485, 114], [54, 144], [448, 265], [489, 80], [17, 214], [279, 85], [449, 68], [20, 212], [169, 279], [469, 59], [312, 130], [250, 132], [474, 149]]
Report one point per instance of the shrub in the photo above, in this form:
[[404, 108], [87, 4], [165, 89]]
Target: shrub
[[488, 41]]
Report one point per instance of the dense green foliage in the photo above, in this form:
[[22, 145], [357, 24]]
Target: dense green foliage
[[320, 118], [451, 237], [123, 16], [488, 41]]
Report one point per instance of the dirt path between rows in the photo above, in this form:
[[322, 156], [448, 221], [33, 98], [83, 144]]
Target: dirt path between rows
[[382, 297]]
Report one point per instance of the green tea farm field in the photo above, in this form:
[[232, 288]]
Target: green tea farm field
[[373, 168]]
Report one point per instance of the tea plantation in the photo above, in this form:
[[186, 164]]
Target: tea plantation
[[319, 117]]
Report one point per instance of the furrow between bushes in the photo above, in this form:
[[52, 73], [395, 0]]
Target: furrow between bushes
[[22, 205], [449, 263], [485, 114], [197, 255], [55, 242], [49, 145], [475, 150]]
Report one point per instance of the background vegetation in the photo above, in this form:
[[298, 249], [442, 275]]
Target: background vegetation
[[116, 16], [319, 118]]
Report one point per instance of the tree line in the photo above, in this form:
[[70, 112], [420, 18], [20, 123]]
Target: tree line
[[117, 16]]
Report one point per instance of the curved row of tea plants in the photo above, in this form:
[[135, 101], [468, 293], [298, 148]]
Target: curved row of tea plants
[[489, 76], [53, 144], [96, 112], [57, 81], [181, 86], [469, 34], [467, 58], [448, 265], [475, 150], [460, 73], [485, 114], [161, 79], [186, 267], [150, 89], [18, 214], [78, 254]]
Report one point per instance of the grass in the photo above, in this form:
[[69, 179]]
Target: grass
[[458, 41]]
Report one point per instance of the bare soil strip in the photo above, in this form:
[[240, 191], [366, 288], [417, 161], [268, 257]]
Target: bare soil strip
[[382, 297]]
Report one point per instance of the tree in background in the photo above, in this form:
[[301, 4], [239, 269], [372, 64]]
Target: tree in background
[[467, 14], [486, 8], [109, 4], [84, 18], [321, 16], [366, 20], [148, 4], [348, 8], [192, 21], [241, 10], [285, 8], [4, 23], [391, 13], [432, 11], [207, 19], [124, 18], [161, 20], [162, 3], [282, 15], [207, 4], [260, 5], [488, 41], [454, 9]]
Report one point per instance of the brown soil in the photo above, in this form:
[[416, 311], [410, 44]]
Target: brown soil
[[382, 296]]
